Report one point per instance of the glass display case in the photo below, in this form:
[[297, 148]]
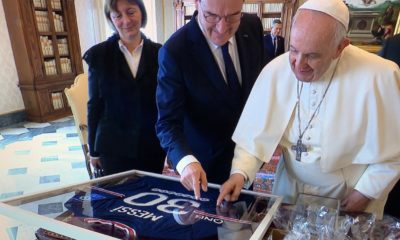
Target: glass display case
[[141, 205]]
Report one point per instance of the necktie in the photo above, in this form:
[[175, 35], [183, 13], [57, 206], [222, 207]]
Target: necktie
[[231, 75], [275, 45]]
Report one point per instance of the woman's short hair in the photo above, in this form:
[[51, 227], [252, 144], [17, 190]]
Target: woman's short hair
[[111, 5]]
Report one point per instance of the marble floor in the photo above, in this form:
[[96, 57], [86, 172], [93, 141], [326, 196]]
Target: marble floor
[[35, 157]]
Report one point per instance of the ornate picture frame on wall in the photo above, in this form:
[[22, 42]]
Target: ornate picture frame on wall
[[361, 25], [373, 21], [397, 29]]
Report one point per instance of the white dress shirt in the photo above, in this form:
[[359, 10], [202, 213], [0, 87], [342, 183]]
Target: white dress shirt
[[217, 53], [132, 58]]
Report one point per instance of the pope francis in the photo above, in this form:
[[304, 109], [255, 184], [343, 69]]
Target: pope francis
[[332, 107]]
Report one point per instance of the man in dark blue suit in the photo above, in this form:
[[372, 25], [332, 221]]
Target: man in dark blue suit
[[391, 51], [274, 43], [206, 71]]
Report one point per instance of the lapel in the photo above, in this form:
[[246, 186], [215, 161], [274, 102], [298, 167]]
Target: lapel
[[144, 59], [206, 61], [268, 43], [281, 44], [121, 67], [242, 40], [143, 62]]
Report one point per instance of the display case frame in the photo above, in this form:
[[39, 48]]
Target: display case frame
[[14, 207]]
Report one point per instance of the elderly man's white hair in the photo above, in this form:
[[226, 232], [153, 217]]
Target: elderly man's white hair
[[335, 8]]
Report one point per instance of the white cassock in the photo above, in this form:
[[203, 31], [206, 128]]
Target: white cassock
[[353, 141]]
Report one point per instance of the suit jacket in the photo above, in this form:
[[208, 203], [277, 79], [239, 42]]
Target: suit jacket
[[391, 49], [121, 109], [269, 48], [197, 111]]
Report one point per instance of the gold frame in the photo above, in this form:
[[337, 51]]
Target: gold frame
[[397, 28]]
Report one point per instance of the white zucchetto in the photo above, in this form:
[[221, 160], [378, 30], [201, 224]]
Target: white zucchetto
[[334, 8]]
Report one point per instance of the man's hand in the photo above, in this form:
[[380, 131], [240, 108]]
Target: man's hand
[[192, 177], [355, 202], [230, 190], [95, 162]]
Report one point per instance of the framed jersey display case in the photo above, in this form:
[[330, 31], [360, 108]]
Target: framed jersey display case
[[140, 205]]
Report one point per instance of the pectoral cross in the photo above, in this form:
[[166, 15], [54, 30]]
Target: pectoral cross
[[299, 148]]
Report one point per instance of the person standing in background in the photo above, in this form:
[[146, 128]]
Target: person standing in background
[[334, 111], [207, 69], [274, 43], [391, 51], [122, 82]]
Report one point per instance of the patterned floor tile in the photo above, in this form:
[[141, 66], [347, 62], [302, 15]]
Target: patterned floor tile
[[48, 208], [48, 137], [22, 152], [65, 130], [49, 179], [71, 135], [14, 131], [17, 171], [49, 158], [36, 125], [75, 148], [49, 143], [29, 166], [78, 165], [21, 145], [77, 175], [61, 120], [10, 194]]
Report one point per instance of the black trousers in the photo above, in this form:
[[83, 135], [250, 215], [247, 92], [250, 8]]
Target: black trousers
[[392, 206], [115, 164]]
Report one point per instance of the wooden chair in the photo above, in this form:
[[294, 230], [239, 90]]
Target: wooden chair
[[77, 96]]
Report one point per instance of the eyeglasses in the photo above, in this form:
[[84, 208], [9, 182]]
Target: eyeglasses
[[214, 18]]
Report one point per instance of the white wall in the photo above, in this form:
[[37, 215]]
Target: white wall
[[168, 20], [160, 20], [88, 13]]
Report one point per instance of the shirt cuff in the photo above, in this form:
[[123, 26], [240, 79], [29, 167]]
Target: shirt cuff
[[246, 164], [241, 173], [387, 173], [186, 160]]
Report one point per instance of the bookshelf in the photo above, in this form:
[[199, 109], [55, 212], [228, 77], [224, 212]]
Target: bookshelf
[[45, 43], [266, 10]]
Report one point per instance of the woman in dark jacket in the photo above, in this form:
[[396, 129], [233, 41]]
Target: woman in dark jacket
[[122, 81]]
